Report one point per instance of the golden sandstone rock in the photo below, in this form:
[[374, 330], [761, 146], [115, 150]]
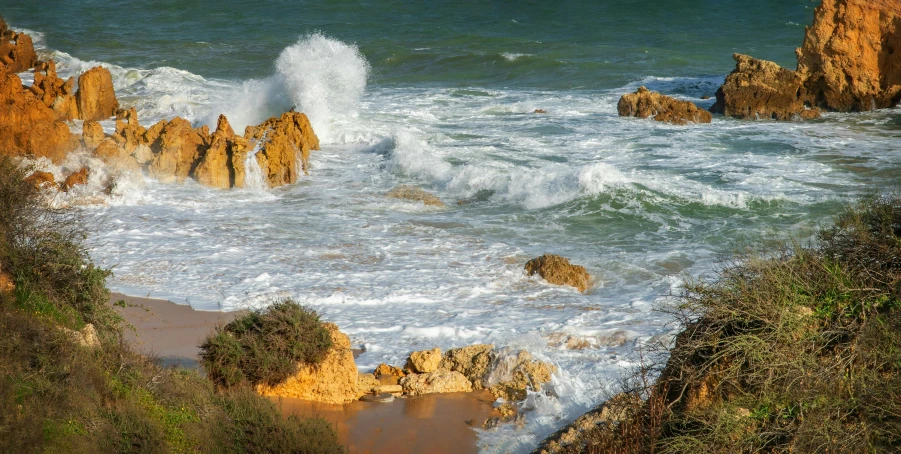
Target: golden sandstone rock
[[40, 179], [512, 373], [849, 59], [645, 103], [96, 98], [557, 270], [76, 178], [472, 361], [423, 361], [16, 50], [334, 380], [439, 381], [847, 63], [28, 127]]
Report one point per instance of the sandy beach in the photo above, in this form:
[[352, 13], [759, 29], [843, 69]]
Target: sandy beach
[[436, 423]]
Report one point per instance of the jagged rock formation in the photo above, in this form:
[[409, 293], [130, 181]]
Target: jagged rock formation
[[851, 56], [54, 92], [760, 89], [557, 270], [16, 50], [96, 98], [645, 103], [335, 380], [28, 127], [849, 62], [507, 373]]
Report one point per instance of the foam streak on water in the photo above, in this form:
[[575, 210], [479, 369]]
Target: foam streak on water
[[640, 204]]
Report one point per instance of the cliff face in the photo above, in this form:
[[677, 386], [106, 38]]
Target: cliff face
[[851, 56]]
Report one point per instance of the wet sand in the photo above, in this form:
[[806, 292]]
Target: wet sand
[[437, 423]]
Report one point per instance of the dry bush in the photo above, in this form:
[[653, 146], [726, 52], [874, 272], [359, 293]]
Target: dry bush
[[265, 347]]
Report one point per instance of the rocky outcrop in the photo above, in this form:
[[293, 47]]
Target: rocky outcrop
[[645, 103], [760, 89], [423, 362], [414, 194], [96, 98], [509, 374], [28, 127], [439, 381], [851, 56], [92, 135], [54, 92], [473, 362], [618, 408], [512, 373], [335, 380], [177, 150], [848, 62], [557, 270], [284, 142], [16, 50]]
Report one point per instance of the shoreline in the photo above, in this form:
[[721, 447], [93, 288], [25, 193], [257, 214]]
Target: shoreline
[[439, 423]]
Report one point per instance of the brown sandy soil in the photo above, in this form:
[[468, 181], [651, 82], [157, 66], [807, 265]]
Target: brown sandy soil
[[435, 423], [172, 332]]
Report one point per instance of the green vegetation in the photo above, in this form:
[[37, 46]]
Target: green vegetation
[[265, 347], [793, 350], [59, 396]]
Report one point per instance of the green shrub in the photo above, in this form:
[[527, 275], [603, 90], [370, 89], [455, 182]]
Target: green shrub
[[793, 349], [265, 347]]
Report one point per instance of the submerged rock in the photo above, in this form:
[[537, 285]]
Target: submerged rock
[[512, 373], [760, 89], [557, 270], [40, 179], [75, 179], [645, 103], [333, 381], [412, 193]]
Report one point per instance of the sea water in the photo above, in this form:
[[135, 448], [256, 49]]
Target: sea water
[[442, 95]]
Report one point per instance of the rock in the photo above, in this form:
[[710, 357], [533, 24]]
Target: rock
[[41, 179], [76, 178], [645, 103], [177, 151], [415, 194], [333, 381], [849, 59], [367, 383], [760, 89], [388, 375], [55, 93], [283, 142], [85, 337], [222, 127], [618, 408], [423, 361], [214, 168], [472, 361], [513, 373], [389, 389], [92, 134], [16, 50], [129, 132], [378, 398], [116, 156], [539, 111], [96, 98], [28, 127], [439, 381], [557, 270]]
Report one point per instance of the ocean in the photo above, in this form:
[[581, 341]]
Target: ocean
[[441, 95]]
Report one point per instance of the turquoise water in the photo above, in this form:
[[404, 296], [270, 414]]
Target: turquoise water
[[441, 96]]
